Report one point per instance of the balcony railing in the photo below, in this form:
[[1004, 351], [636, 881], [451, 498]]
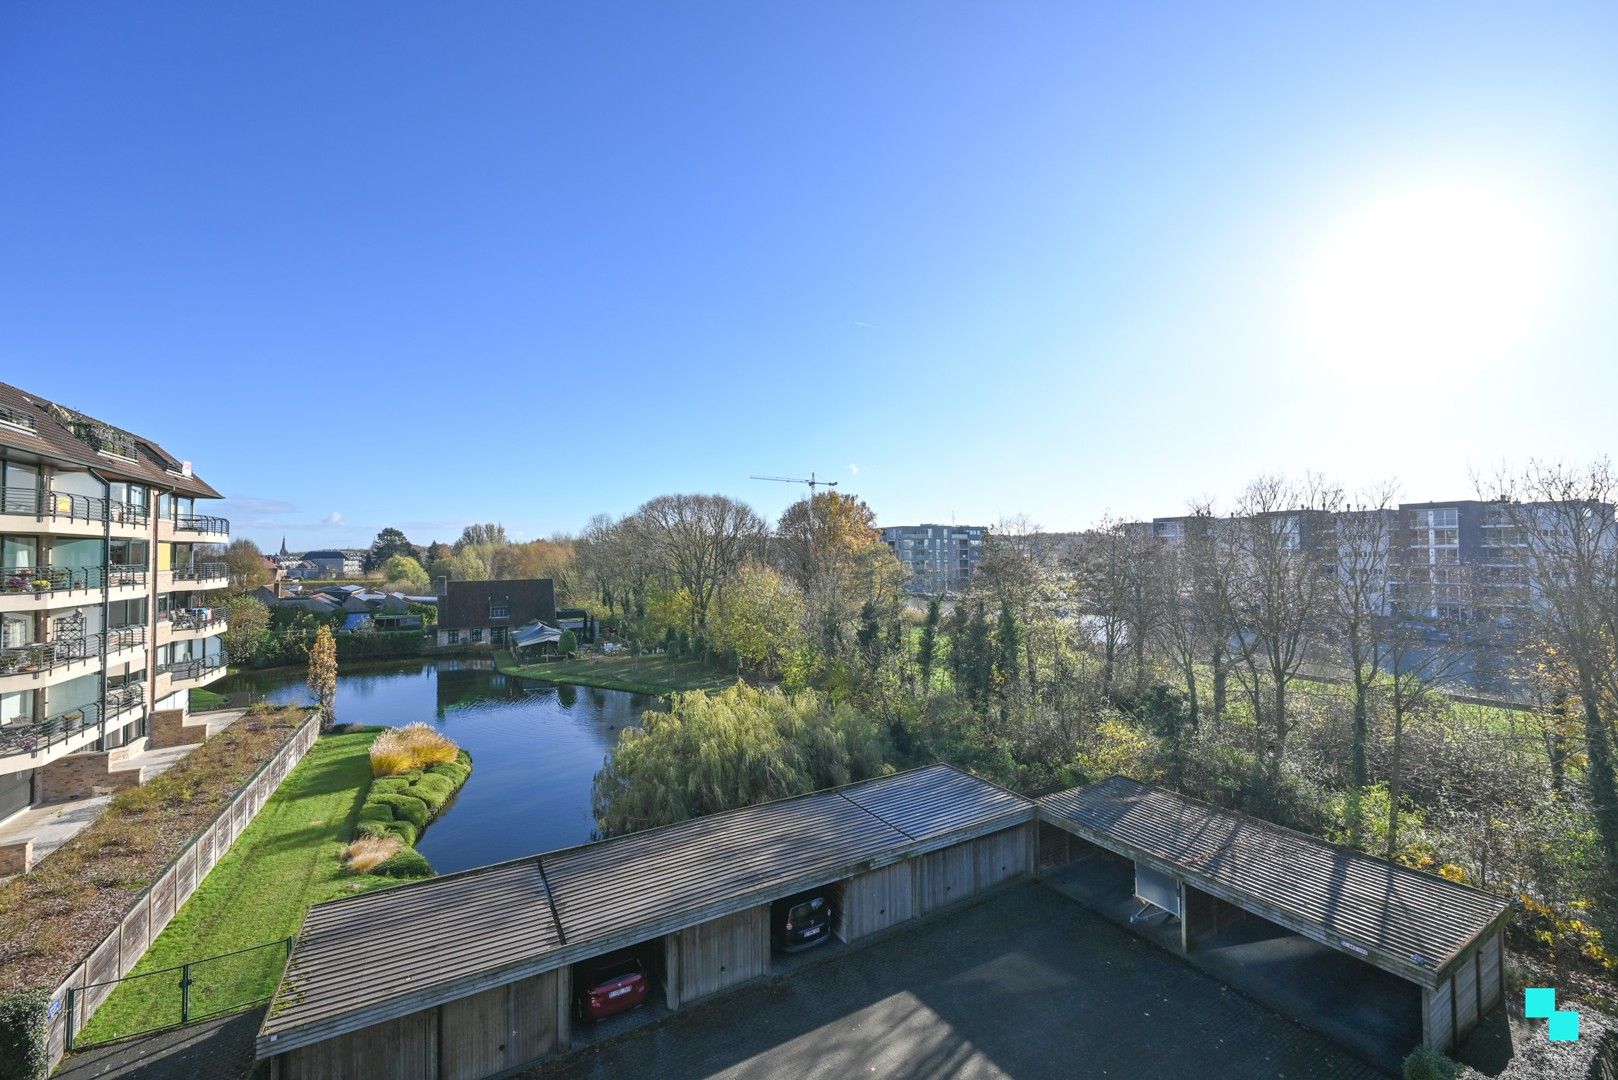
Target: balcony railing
[[197, 619], [44, 656], [201, 523], [207, 571], [17, 419], [61, 506], [33, 736], [47, 579], [191, 669]]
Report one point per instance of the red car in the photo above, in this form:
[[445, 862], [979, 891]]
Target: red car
[[608, 985]]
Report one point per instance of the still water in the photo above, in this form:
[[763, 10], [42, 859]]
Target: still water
[[535, 746]]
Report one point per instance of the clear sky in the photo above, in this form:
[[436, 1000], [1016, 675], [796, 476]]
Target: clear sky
[[423, 264]]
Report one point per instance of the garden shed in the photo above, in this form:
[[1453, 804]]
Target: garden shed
[[1439, 937], [482, 982]]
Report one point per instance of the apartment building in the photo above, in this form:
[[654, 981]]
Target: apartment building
[[940, 558], [106, 568]]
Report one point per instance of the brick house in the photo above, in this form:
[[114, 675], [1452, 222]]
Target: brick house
[[480, 613]]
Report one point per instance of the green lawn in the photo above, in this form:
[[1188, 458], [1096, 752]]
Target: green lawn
[[643, 675], [203, 699], [286, 860]]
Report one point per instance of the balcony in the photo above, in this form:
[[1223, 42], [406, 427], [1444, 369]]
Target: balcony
[[200, 523], [185, 674], [209, 575], [24, 667], [25, 588], [68, 730], [74, 515], [193, 623]]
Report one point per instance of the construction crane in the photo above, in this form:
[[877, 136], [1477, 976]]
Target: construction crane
[[812, 482]]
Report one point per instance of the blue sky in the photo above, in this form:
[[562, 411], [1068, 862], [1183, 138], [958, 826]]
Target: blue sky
[[424, 264]]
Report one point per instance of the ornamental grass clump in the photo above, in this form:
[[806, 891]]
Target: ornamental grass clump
[[414, 746], [369, 852]]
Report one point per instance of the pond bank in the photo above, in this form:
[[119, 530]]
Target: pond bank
[[638, 675]]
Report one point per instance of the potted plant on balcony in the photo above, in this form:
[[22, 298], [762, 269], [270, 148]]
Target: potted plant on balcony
[[17, 583], [33, 658], [42, 584], [9, 662]]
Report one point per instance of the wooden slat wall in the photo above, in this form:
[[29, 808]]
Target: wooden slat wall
[[1053, 846], [500, 1029], [946, 876], [402, 1049], [876, 900], [1489, 961], [1466, 998], [723, 952], [1440, 1019], [1001, 856]]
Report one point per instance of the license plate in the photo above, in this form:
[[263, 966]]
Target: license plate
[[620, 992], [813, 930]]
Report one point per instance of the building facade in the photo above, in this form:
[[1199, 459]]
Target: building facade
[[482, 614], [940, 558], [106, 568]]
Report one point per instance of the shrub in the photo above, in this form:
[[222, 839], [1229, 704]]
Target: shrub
[[23, 1051], [432, 789], [408, 863], [405, 808], [376, 812], [406, 833], [390, 785], [1425, 1063], [369, 852], [414, 746]]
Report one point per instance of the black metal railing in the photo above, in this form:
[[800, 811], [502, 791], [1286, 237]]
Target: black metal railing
[[42, 656], [33, 736], [124, 574], [199, 619], [125, 637], [61, 506], [17, 418], [207, 571], [190, 669], [124, 699], [201, 523]]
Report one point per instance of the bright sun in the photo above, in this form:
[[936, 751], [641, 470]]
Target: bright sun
[[1426, 285]]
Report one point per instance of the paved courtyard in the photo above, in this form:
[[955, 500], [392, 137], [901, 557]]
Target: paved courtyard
[[1026, 984]]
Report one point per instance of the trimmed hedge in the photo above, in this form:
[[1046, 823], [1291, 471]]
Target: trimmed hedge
[[403, 805], [1428, 1064], [24, 1054], [408, 863]]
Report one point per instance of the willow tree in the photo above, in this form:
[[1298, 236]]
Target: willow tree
[[322, 678]]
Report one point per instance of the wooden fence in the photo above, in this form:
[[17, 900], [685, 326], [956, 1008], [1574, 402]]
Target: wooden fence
[[127, 943]]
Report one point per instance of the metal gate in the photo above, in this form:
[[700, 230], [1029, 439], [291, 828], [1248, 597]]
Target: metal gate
[[175, 996]]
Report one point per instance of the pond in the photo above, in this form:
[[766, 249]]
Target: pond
[[535, 746]]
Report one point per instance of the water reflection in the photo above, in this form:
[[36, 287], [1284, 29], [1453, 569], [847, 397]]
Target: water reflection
[[535, 746]]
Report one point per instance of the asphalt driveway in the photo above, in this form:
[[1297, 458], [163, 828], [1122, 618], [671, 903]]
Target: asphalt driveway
[[1026, 984]]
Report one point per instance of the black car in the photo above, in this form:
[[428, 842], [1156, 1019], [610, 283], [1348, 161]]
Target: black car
[[801, 921]]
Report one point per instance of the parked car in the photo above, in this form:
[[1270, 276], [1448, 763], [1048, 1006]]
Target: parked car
[[608, 985], [801, 921]]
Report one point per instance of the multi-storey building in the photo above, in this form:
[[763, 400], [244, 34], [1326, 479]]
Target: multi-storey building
[[940, 558], [105, 571]]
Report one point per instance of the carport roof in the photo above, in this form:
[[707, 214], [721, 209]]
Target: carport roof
[[1413, 924], [362, 960]]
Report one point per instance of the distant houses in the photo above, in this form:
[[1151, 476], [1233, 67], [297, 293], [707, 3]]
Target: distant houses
[[362, 608]]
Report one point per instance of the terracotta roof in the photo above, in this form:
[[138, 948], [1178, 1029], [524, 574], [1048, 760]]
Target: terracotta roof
[[41, 426]]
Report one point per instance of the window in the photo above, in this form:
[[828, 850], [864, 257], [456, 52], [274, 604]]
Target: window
[[477, 635], [499, 609], [497, 636], [453, 637]]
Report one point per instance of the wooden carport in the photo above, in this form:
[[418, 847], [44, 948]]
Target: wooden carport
[[1444, 937]]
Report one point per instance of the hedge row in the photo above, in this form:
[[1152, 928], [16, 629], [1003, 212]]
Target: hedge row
[[403, 805]]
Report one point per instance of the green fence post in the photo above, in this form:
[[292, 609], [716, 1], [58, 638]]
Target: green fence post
[[185, 994], [72, 1010]]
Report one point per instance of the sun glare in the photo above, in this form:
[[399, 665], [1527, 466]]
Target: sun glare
[[1426, 285]]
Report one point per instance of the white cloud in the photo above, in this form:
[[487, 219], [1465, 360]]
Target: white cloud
[[853, 470], [333, 518]]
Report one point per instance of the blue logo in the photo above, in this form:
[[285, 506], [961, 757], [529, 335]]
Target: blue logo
[[1561, 1025]]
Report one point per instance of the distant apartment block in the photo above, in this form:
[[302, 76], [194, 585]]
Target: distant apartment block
[[106, 567], [940, 558]]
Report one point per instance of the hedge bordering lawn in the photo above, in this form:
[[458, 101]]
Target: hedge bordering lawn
[[68, 904], [403, 805]]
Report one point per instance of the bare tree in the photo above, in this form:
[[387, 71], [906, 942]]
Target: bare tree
[[1357, 596], [1281, 532], [1563, 522], [698, 541]]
